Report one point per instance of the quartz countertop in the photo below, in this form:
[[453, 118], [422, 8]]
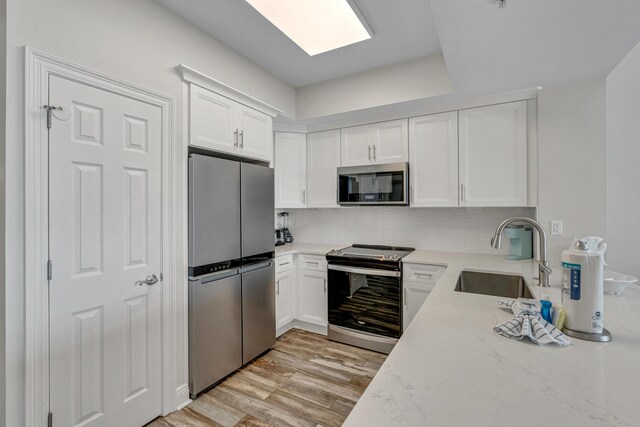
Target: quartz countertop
[[451, 369], [306, 248]]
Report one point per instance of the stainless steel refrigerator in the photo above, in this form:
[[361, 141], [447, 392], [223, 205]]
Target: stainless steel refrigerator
[[231, 270]]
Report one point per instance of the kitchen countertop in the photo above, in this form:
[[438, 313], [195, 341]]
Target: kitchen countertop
[[451, 369], [305, 248]]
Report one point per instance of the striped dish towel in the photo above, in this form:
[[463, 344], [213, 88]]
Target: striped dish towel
[[527, 322]]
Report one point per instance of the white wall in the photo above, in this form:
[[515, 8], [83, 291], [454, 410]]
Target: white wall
[[623, 155], [415, 79], [571, 157], [439, 229], [137, 41], [3, 87]]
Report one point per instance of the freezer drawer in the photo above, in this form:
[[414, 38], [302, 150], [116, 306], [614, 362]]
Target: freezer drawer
[[258, 310], [215, 329], [257, 210]]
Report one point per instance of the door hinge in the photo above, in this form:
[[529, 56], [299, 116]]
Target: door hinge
[[50, 420], [49, 270], [50, 109]]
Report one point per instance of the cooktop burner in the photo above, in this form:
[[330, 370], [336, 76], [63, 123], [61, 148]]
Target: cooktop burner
[[371, 252]]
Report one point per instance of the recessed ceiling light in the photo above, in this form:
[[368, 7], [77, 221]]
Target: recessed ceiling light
[[316, 26]]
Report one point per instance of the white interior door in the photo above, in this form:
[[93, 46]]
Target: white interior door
[[105, 234]]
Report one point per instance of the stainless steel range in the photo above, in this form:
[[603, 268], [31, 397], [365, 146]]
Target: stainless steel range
[[365, 294]]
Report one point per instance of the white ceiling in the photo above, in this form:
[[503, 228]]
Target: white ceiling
[[403, 30], [533, 43]]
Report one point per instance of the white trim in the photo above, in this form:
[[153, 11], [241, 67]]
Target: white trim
[[411, 109], [287, 127], [192, 76], [38, 67]]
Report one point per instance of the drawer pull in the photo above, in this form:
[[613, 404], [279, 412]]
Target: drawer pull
[[284, 263]]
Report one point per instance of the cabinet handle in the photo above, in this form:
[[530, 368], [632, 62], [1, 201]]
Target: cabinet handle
[[325, 286], [462, 192], [284, 263], [374, 153], [277, 287], [411, 191], [424, 274], [369, 153], [235, 138], [404, 295], [304, 196], [242, 139]]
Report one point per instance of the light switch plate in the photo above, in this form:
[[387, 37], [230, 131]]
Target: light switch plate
[[556, 227]]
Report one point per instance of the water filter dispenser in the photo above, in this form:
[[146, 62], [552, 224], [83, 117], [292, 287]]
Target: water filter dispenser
[[520, 241]]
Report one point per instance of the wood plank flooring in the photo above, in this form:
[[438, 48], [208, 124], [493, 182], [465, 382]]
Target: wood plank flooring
[[305, 380]]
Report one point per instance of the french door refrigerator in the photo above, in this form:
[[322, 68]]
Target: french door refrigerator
[[231, 270]]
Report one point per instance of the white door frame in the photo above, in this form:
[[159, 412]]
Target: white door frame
[[38, 67]]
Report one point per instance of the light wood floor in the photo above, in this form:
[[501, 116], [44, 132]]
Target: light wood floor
[[305, 380]]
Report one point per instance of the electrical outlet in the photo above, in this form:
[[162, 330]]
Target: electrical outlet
[[556, 227]]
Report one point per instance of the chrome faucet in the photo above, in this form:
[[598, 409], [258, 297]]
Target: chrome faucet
[[545, 271]]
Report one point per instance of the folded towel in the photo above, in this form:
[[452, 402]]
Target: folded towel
[[527, 322]]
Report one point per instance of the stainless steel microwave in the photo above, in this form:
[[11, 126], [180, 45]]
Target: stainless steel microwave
[[386, 184]]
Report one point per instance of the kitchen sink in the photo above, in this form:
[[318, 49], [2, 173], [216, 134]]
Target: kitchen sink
[[500, 285]]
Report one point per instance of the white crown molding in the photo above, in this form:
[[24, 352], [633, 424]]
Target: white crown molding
[[288, 127], [195, 77]]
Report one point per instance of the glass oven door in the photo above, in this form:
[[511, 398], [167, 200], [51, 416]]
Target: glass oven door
[[365, 299]]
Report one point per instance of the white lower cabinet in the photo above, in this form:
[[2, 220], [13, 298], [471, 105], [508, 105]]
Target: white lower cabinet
[[285, 309], [301, 293], [418, 282], [312, 297], [415, 294]]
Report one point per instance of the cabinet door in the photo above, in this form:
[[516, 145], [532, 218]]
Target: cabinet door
[[312, 297], [290, 170], [390, 141], [355, 146], [323, 159], [433, 144], [255, 137], [415, 294], [212, 120], [284, 298], [493, 155]]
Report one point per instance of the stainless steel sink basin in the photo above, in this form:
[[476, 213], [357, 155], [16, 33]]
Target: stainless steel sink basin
[[500, 285]]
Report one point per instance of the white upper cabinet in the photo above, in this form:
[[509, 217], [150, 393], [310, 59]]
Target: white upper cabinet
[[221, 124], [378, 143], [212, 120], [255, 133], [355, 147], [390, 142], [493, 155], [323, 159], [290, 170], [433, 144]]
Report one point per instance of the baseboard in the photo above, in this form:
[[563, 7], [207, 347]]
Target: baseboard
[[182, 396], [311, 327], [284, 328]]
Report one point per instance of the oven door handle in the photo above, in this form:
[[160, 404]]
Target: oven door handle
[[369, 271]]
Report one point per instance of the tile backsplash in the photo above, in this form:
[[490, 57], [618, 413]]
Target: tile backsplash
[[441, 229]]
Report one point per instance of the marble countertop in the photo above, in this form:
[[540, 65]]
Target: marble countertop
[[451, 369]]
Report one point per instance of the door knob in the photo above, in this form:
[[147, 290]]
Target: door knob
[[151, 279]]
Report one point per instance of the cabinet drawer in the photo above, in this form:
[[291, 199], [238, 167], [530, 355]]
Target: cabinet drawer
[[284, 263], [312, 262], [422, 273]]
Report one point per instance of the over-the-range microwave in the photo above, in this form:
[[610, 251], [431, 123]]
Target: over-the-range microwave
[[386, 184]]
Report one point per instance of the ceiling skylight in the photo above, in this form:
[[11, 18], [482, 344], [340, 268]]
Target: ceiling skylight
[[316, 26]]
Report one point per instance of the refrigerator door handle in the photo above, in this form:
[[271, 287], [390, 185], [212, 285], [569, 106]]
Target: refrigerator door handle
[[258, 266]]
